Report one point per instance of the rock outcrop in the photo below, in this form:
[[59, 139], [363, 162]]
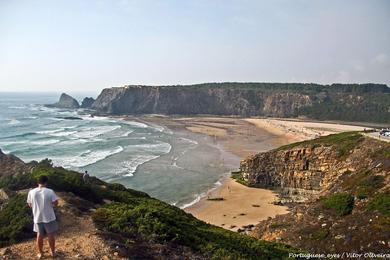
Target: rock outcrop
[[66, 101], [343, 182], [87, 102], [306, 169], [11, 165], [369, 102]]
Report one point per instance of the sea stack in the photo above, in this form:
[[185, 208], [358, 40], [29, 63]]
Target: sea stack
[[87, 102], [66, 101]]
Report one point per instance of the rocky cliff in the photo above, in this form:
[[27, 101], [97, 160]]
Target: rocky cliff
[[11, 166], [304, 169], [342, 182], [65, 101], [369, 102]]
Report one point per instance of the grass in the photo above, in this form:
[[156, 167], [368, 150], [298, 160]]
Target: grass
[[369, 185], [344, 142], [341, 203], [238, 177], [320, 234], [380, 203], [278, 225]]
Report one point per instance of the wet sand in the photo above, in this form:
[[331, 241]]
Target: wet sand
[[241, 205]]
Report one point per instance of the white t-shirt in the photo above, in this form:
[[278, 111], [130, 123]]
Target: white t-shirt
[[41, 200]]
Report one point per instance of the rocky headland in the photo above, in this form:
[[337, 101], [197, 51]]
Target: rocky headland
[[346, 102]]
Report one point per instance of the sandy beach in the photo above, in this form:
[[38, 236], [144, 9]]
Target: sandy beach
[[242, 206]]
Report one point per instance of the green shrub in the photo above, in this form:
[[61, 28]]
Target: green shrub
[[344, 142], [15, 221], [163, 223], [320, 234], [341, 203], [381, 203]]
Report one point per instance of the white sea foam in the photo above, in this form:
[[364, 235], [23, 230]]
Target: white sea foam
[[17, 107], [74, 141], [189, 140], [131, 166], [159, 147], [86, 158], [13, 121], [48, 132], [134, 123], [90, 132], [127, 133], [196, 200], [64, 133], [45, 142], [12, 142]]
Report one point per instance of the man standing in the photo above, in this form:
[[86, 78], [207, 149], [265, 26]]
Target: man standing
[[42, 200]]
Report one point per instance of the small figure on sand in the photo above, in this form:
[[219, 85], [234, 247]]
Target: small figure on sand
[[42, 200], [86, 177]]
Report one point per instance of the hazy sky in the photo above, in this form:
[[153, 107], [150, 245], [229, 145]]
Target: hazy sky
[[89, 45]]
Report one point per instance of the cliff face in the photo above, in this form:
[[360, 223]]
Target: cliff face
[[65, 101], [369, 103], [343, 182], [309, 168]]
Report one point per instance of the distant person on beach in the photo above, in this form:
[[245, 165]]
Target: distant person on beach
[[42, 200], [86, 177]]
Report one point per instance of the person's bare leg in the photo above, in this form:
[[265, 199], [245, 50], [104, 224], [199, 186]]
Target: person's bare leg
[[40, 244], [52, 243]]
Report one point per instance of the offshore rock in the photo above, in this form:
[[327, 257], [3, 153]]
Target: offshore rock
[[65, 101]]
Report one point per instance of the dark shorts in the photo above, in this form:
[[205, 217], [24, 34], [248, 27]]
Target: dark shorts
[[46, 228]]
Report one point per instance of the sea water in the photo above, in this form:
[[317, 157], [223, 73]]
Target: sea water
[[176, 167]]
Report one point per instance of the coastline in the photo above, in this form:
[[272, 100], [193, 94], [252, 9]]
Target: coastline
[[242, 206]]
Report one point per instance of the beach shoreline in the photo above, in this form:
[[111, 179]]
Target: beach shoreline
[[229, 204]]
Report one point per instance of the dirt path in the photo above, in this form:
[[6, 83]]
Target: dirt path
[[76, 239]]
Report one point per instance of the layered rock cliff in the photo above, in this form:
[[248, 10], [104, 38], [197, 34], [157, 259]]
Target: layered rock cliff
[[343, 184], [305, 169], [369, 102]]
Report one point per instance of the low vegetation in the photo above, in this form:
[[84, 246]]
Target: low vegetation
[[341, 203], [15, 221], [132, 216], [381, 203], [344, 142], [237, 175]]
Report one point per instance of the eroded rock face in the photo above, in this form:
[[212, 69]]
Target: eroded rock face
[[298, 171], [87, 102], [66, 101], [306, 170], [250, 99], [11, 165]]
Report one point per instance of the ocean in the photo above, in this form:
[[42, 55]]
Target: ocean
[[176, 167]]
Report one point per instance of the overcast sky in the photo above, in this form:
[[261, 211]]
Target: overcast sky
[[90, 45]]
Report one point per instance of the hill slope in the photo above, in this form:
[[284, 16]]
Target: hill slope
[[128, 222]]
